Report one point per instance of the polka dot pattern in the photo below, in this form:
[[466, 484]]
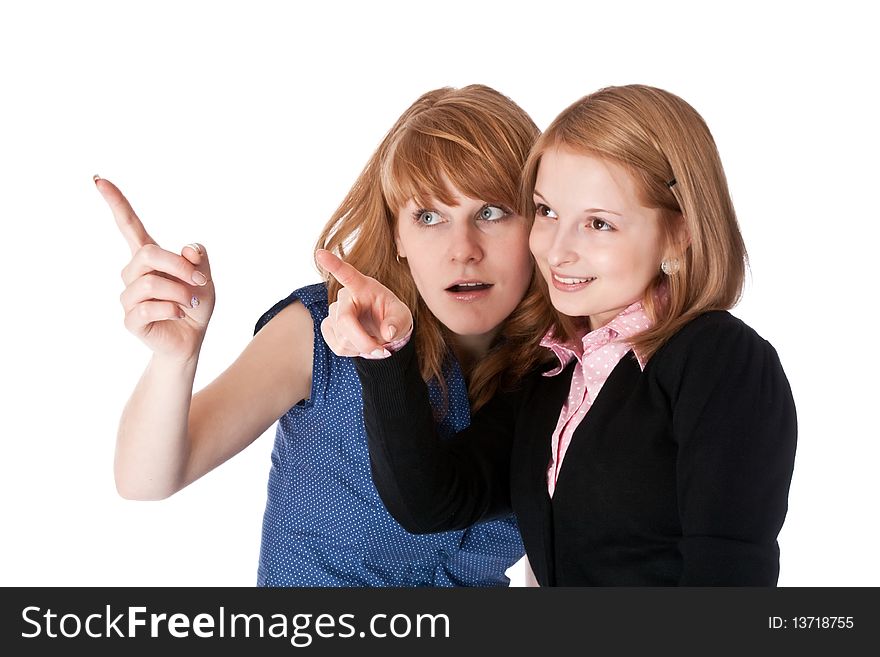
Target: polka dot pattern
[[597, 355], [324, 523]]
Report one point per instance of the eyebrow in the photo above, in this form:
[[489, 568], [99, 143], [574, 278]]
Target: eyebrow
[[588, 210], [603, 210], [431, 204]]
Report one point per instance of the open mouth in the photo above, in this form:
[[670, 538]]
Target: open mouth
[[571, 283], [468, 287]]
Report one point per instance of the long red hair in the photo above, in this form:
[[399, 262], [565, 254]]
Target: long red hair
[[478, 140]]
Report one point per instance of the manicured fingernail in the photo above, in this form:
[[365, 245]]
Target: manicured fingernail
[[199, 278], [392, 331], [96, 178], [380, 353], [194, 302], [195, 247]]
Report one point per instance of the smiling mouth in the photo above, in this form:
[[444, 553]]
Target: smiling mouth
[[468, 287], [566, 280]]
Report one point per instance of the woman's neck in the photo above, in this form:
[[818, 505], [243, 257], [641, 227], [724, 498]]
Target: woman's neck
[[470, 349]]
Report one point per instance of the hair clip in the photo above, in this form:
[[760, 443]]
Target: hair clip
[[671, 183]]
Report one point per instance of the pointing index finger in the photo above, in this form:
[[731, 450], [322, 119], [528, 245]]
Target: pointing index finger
[[343, 272], [129, 225]]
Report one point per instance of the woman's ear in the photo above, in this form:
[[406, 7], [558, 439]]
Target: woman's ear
[[401, 252], [680, 237]]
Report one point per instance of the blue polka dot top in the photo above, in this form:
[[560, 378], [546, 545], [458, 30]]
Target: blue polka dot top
[[324, 523]]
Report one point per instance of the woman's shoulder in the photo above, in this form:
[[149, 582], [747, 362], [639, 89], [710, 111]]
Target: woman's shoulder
[[312, 297], [314, 294], [713, 338], [712, 326]]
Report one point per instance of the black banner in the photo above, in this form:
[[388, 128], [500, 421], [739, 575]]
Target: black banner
[[109, 621]]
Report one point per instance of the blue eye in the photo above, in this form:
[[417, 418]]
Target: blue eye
[[542, 210], [427, 217], [493, 213]]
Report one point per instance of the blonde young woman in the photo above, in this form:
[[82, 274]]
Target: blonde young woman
[[434, 216], [658, 448]]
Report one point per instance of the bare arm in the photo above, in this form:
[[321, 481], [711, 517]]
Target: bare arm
[[167, 437]]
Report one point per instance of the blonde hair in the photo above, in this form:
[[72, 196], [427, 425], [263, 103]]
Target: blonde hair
[[478, 140], [667, 147]]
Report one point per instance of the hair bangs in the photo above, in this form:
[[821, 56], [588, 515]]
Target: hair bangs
[[425, 165]]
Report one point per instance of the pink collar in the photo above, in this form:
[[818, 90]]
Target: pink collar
[[630, 322]]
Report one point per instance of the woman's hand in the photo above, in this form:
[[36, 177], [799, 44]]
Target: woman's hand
[[366, 315], [168, 298]]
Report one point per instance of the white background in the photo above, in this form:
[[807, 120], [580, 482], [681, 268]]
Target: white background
[[242, 125]]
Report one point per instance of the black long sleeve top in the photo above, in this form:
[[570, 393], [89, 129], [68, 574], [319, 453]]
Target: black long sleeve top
[[678, 474]]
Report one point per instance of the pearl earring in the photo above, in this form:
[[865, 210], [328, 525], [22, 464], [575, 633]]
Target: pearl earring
[[670, 266]]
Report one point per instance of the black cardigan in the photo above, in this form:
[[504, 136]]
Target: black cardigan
[[678, 475]]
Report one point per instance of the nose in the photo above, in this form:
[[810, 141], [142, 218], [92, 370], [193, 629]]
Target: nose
[[561, 251], [466, 246]]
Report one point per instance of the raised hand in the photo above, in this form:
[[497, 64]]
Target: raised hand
[[365, 316], [168, 298]]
